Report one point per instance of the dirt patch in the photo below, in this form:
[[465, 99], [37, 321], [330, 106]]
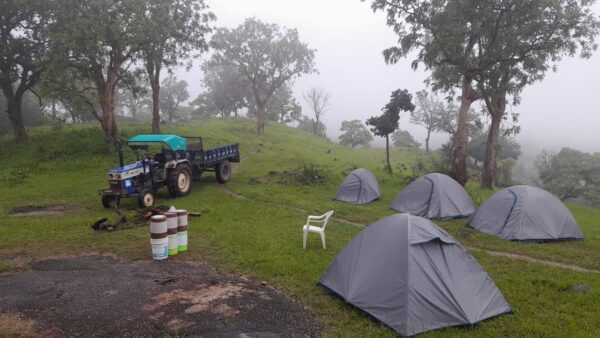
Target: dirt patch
[[12, 325], [232, 193], [32, 210], [101, 296], [244, 198]]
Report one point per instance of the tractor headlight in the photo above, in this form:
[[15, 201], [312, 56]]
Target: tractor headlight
[[110, 176], [117, 176]]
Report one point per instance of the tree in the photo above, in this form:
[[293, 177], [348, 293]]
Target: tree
[[501, 45], [172, 95], [355, 134], [507, 147], [22, 55], [227, 90], [448, 122], [445, 34], [93, 45], [133, 100], [307, 124], [520, 42], [428, 113], [282, 107], [403, 139], [266, 55], [387, 123], [571, 174], [318, 101], [30, 110], [172, 32]]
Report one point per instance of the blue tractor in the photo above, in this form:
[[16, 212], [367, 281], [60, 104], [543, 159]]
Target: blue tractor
[[179, 161]]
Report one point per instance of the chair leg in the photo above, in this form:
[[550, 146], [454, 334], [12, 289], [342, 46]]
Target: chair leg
[[323, 239], [304, 240]]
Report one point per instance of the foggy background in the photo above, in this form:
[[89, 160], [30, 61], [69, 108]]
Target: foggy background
[[560, 111]]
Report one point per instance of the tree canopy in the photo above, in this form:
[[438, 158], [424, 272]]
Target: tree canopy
[[317, 99], [387, 123], [354, 134], [571, 174], [403, 139], [93, 47], [173, 93], [266, 55], [490, 49], [429, 113], [22, 55], [226, 89], [172, 32]]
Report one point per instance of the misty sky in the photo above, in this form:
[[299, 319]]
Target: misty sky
[[560, 111]]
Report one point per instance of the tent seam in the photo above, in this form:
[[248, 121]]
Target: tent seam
[[430, 194], [509, 212]]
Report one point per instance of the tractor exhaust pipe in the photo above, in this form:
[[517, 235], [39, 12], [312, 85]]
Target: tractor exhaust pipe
[[120, 151]]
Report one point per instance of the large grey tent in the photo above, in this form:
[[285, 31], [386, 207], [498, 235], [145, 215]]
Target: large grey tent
[[525, 213], [434, 196], [413, 276], [359, 187]]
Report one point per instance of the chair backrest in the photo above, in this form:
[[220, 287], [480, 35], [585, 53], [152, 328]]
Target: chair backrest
[[325, 218]]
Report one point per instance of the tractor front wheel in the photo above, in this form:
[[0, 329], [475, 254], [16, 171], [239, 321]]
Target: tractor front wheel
[[146, 199], [180, 181], [110, 202], [223, 172]]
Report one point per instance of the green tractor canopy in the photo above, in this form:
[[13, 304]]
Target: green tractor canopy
[[174, 142]]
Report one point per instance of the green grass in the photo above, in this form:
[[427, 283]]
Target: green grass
[[261, 237]]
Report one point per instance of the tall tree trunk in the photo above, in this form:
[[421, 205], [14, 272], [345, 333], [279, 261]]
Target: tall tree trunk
[[427, 140], [16, 118], [153, 71], [260, 117], [387, 153], [316, 125], [155, 105], [13, 109], [488, 177], [461, 138], [107, 120]]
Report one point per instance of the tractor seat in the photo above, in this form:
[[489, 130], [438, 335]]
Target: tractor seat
[[160, 158]]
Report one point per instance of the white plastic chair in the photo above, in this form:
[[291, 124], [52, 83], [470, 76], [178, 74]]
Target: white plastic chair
[[311, 226]]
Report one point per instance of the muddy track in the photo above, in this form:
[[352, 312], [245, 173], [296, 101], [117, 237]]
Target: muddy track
[[510, 255], [230, 192]]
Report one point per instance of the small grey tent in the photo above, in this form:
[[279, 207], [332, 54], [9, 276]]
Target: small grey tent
[[434, 196], [359, 187], [525, 213], [413, 276]]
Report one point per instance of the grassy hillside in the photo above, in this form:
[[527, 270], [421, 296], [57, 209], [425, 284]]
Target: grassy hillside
[[261, 236]]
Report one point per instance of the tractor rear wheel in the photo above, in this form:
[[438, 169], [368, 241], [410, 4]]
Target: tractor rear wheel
[[180, 181], [146, 199], [223, 172], [110, 202]]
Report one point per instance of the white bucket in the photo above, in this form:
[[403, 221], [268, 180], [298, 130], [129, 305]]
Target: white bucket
[[182, 241], [182, 235], [172, 232], [160, 248], [173, 244], [182, 217], [158, 224]]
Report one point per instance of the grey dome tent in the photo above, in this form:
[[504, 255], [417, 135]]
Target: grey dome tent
[[434, 196], [359, 187], [525, 213], [413, 276]]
